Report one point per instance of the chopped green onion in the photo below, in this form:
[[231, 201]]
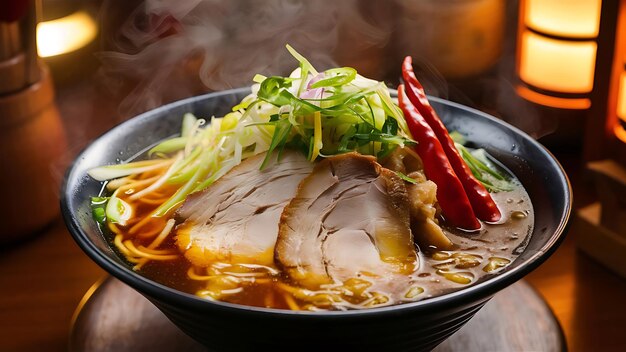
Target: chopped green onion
[[457, 137], [336, 77], [406, 178], [110, 172], [303, 61], [169, 145], [258, 78], [189, 120], [484, 170], [348, 113], [98, 205], [118, 211]]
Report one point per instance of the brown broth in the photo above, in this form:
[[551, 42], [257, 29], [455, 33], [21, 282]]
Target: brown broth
[[438, 272], [505, 240]]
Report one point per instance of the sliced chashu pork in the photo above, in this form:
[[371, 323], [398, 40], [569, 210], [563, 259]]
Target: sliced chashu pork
[[236, 219], [349, 219], [422, 199]]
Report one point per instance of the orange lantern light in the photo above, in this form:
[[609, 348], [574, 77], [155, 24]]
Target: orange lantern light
[[620, 128], [557, 51]]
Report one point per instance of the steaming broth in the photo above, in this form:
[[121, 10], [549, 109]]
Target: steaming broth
[[475, 257], [335, 226]]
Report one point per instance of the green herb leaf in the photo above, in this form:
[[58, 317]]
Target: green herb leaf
[[406, 178]]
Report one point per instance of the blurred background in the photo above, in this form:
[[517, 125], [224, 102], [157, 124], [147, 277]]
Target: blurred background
[[555, 69], [538, 64]]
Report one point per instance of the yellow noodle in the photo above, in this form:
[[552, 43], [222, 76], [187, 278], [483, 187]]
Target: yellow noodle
[[140, 224], [259, 266], [152, 201], [161, 180], [134, 252], [191, 273], [151, 162], [141, 263], [242, 275], [114, 228], [286, 287], [151, 233], [137, 184], [232, 291], [134, 260], [165, 192], [163, 235], [269, 299], [132, 221], [122, 248], [131, 247], [157, 172], [291, 302], [117, 183], [152, 173], [156, 251]]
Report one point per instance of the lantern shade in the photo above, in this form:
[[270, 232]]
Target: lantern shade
[[621, 108], [565, 18], [65, 34], [554, 102], [557, 65], [621, 98]]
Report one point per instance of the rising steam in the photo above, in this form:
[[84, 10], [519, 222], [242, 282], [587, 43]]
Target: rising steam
[[167, 50], [170, 49]]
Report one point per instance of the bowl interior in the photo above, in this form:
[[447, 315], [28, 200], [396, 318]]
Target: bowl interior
[[539, 172]]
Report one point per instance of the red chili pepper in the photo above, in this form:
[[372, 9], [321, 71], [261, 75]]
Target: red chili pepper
[[482, 203], [454, 204]]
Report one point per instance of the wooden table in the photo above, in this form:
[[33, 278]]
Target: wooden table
[[43, 279]]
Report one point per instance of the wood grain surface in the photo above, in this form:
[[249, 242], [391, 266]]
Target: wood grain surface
[[116, 318]]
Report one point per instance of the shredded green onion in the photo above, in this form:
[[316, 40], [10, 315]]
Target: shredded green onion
[[485, 171], [406, 178], [320, 113]]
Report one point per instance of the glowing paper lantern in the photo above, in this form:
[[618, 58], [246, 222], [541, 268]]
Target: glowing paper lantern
[[557, 65], [566, 18], [65, 34], [557, 51], [621, 108]]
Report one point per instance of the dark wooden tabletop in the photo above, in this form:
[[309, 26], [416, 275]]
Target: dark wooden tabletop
[[42, 279]]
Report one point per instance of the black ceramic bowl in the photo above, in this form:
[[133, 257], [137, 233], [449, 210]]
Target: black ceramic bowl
[[412, 326]]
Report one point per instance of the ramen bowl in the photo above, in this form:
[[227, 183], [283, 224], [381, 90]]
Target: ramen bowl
[[405, 327]]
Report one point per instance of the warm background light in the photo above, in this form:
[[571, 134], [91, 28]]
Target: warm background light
[[621, 108], [557, 65], [555, 102], [65, 34], [621, 97], [568, 18]]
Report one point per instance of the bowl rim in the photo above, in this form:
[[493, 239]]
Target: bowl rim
[[479, 291]]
